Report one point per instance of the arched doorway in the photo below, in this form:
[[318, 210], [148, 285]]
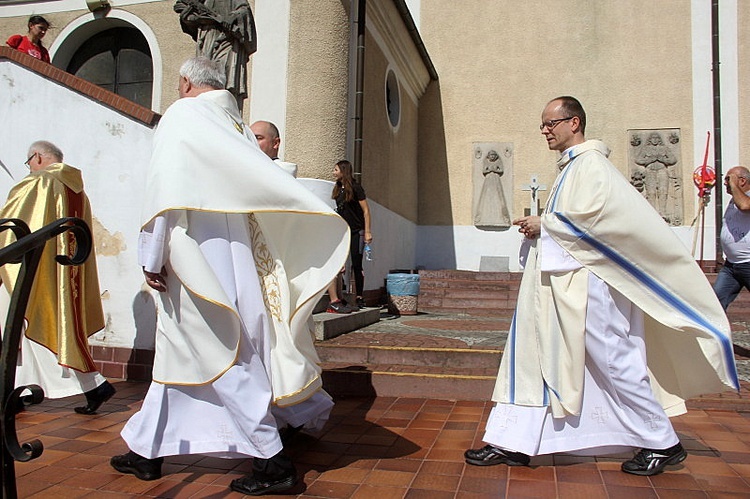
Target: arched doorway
[[119, 60]]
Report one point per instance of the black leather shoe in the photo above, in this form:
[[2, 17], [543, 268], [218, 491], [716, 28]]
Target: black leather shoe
[[653, 461], [489, 455], [251, 486], [135, 464], [96, 397]]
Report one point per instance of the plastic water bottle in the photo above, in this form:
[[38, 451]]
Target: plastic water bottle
[[368, 252]]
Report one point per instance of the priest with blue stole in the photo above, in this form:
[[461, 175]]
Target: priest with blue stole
[[615, 326]]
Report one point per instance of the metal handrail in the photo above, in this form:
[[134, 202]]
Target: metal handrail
[[27, 250]]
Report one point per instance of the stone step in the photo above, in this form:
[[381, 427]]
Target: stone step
[[329, 326], [414, 358], [494, 294], [342, 380], [468, 275]]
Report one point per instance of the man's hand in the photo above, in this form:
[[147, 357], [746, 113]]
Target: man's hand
[[156, 281], [530, 226]]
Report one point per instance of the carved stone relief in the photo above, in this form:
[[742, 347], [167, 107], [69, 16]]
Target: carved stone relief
[[655, 166], [492, 176]]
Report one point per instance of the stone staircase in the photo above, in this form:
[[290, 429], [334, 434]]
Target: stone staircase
[[409, 371], [462, 291], [375, 362]]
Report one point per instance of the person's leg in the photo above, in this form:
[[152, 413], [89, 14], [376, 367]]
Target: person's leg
[[357, 244], [336, 305], [630, 384], [727, 286]]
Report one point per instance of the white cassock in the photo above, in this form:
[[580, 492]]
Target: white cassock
[[229, 417], [619, 411], [615, 325], [234, 332], [37, 365]]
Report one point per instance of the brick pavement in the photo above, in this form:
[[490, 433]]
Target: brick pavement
[[401, 447], [379, 448]]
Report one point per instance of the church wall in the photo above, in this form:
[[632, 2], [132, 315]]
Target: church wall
[[743, 19], [112, 151], [389, 162], [630, 64], [317, 86]]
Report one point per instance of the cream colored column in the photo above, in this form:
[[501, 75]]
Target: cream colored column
[[268, 89]]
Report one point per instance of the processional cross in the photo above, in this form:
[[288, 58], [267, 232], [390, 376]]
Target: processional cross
[[534, 187]]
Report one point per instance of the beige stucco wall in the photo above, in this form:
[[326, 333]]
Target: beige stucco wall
[[743, 49], [389, 157], [317, 86], [628, 62]]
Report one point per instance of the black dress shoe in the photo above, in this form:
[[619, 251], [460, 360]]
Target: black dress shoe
[[96, 397], [652, 462], [489, 455], [135, 464], [251, 486]]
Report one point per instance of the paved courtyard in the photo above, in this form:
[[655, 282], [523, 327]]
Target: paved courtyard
[[391, 447]]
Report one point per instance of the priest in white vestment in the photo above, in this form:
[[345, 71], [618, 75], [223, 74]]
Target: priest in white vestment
[[615, 326], [221, 234]]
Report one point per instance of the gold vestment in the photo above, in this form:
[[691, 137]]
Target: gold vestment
[[65, 307]]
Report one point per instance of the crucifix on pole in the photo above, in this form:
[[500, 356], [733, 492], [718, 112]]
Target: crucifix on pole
[[534, 187]]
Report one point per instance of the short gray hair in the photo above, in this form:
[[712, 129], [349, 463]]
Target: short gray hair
[[46, 148], [203, 72]]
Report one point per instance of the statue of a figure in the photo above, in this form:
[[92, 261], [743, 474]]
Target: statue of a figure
[[657, 158], [492, 210], [224, 31]]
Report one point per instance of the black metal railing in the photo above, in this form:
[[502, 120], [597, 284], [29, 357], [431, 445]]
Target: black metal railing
[[26, 250]]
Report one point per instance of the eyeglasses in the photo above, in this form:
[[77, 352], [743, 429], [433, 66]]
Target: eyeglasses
[[29, 160], [551, 124]]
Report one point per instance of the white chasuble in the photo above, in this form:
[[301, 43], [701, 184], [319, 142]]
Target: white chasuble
[[614, 239]]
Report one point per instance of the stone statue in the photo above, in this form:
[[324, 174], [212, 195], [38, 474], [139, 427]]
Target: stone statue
[[224, 31], [656, 173], [492, 210]]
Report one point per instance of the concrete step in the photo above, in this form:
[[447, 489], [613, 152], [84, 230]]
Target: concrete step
[[341, 380], [362, 365], [329, 326], [410, 357]]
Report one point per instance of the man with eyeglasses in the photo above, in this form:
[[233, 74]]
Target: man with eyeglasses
[[65, 305], [605, 282], [735, 241]]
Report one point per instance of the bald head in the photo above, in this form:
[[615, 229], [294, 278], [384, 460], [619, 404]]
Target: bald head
[[737, 177], [268, 137]]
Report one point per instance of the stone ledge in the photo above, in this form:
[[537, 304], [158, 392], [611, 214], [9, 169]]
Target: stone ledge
[[329, 326]]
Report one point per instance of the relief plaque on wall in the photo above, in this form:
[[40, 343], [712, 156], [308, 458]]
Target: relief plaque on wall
[[492, 179], [655, 167]]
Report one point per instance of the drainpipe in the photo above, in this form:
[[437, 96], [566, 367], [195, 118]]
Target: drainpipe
[[717, 123], [359, 9]]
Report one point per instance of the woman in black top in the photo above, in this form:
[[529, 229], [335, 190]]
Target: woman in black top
[[351, 204]]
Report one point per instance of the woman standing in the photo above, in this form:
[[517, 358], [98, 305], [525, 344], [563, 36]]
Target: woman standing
[[351, 204], [31, 43]]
